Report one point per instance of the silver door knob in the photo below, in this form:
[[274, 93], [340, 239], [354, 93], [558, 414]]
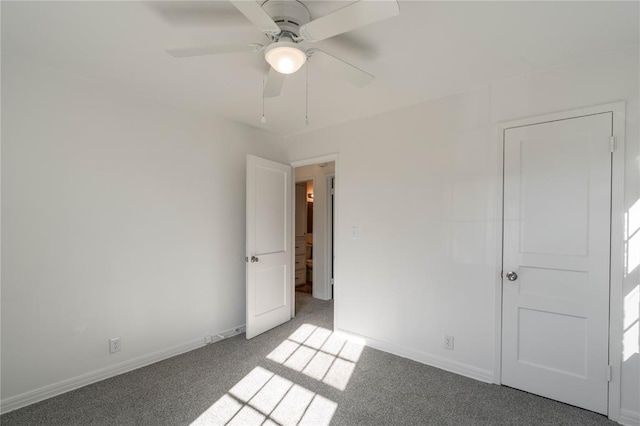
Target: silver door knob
[[511, 276], [254, 259]]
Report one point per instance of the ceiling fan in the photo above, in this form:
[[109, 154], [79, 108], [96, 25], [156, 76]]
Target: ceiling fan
[[287, 24]]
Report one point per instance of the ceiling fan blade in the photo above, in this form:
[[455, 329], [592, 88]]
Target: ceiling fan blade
[[273, 86], [214, 50], [356, 15], [257, 15], [346, 71]]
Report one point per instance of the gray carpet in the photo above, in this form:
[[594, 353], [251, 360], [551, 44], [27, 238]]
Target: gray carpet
[[383, 390]]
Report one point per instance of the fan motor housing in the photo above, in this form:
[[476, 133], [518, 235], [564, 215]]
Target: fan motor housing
[[288, 15]]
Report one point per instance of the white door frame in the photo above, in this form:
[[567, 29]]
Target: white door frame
[[329, 226], [617, 240], [308, 162]]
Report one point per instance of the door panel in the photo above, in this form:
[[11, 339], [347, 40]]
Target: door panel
[[554, 174], [270, 294], [569, 329], [557, 183], [271, 205], [269, 253]]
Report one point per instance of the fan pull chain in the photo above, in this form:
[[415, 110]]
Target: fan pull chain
[[263, 120], [306, 119]]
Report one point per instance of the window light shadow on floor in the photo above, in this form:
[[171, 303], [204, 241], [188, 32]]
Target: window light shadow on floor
[[321, 354], [265, 398]]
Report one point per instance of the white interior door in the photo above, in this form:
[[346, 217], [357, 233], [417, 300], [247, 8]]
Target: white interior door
[[557, 200], [269, 255]]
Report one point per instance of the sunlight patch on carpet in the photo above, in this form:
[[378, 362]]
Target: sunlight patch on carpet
[[321, 354], [265, 398]]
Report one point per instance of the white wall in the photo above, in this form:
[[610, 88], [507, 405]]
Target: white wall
[[321, 286], [121, 217], [421, 185]]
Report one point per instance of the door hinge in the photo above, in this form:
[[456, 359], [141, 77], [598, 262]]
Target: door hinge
[[612, 143], [331, 281], [333, 191], [609, 373]]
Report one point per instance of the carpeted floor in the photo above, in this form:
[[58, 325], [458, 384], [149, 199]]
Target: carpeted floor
[[215, 382]]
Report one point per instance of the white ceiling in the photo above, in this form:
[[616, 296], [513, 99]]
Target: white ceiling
[[430, 50]]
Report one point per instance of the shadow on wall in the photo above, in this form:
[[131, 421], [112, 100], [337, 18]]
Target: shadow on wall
[[631, 324]]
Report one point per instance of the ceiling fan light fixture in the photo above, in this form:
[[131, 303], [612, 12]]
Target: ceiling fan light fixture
[[285, 57]]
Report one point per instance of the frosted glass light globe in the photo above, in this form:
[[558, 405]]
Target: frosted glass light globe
[[285, 57]]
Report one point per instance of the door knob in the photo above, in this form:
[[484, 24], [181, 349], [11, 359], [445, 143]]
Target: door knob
[[511, 276], [254, 259]]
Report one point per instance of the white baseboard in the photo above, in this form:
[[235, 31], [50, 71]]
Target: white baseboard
[[425, 358], [629, 418], [49, 391]]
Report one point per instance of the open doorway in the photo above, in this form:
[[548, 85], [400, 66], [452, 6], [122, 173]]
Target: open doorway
[[304, 237], [314, 230]]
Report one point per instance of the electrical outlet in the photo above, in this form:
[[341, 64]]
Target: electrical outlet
[[448, 342], [114, 345]]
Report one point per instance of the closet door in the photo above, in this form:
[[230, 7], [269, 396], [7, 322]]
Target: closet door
[[557, 201]]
